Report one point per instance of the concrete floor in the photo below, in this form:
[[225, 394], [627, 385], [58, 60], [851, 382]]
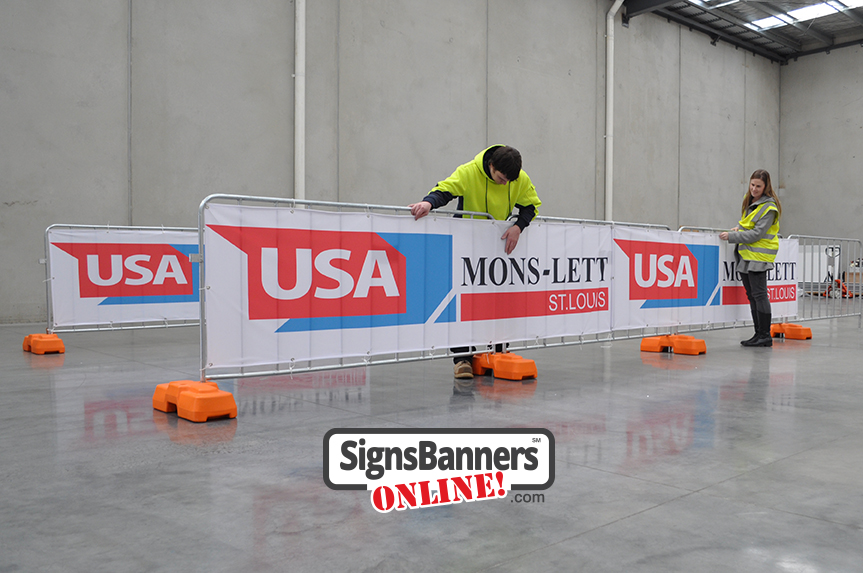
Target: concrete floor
[[737, 460]]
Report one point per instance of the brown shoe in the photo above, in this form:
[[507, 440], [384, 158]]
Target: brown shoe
[[463, 369]]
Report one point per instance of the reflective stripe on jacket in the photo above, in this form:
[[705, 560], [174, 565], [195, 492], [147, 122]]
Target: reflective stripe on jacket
[[764, 249]]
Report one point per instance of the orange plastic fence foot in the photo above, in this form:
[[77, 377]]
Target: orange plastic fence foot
[[195, 401], [204, 402], [504, 365], [43, 344], [791, 331], [655, 344], [688, 345], [677, 343]]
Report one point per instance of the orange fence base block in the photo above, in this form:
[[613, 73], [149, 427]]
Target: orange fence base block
[[655, 344], [203, 402], [43, 344], [194, 401], [792, 331], [166, 395], [677, 343], [505, 365]]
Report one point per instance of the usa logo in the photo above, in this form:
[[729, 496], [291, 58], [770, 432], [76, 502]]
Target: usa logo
[[667, 275], [126, 273], [321, 280]]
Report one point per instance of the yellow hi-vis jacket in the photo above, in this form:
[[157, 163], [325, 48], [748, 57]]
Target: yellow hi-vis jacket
[[765, 249], [482, 194]]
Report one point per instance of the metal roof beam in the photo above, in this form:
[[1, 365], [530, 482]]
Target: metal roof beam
[[829, 49], [636, 7], [723, 15], [847, 12], [772, 10], [717, 34]]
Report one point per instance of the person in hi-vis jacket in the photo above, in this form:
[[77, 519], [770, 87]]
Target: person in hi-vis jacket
[[494, 183], [757, 239]]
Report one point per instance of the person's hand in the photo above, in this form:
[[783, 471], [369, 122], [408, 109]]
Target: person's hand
[[735, 229], [723, 236], [511, 237], [420, 210]]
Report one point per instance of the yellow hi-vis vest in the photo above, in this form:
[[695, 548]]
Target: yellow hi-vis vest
[[765, 249], [483, 195]]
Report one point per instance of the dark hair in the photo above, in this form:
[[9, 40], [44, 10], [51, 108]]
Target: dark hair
[[507, 160], [768, 191]]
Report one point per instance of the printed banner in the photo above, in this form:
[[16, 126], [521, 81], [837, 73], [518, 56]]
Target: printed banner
[[119, 276], [666, 278], [286, 285]]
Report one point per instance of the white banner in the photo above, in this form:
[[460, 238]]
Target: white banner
[[118, 276], [287, 284], [666, 278]]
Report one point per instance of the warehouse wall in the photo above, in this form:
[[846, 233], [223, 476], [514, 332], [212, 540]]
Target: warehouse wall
[[822, 144], [128, 112], [63, 142], [692, 122]]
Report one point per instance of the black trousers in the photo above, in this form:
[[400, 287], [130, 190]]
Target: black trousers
[[755, 284]]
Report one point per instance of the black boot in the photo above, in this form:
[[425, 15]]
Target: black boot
[[764, 337], [754, 336], [749, 341]]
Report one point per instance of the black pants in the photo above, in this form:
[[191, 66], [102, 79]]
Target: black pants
[[457, 359], [755, 284]]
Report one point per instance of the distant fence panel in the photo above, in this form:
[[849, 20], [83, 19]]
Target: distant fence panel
[[112, 278], [831, 277]]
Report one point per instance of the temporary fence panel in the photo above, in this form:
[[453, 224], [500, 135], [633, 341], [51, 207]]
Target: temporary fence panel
[[674, 279], [102, 278], [285, 287], [830, 278], [826, 271], [291, 286], [816, 266]]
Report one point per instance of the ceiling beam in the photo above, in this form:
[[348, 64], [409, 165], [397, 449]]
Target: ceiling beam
[[772, 10], [848, 12], [830, 48], [719, 34], [636, 7], [723, 15]]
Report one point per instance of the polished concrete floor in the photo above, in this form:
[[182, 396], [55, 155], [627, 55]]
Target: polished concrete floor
[[737, 460]]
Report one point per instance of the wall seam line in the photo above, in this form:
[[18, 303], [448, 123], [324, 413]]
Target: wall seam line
[[129, 114]]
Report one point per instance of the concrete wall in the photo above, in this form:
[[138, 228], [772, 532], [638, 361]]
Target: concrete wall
[[822, 144], [132, 112], [692, 122], [63, 93]]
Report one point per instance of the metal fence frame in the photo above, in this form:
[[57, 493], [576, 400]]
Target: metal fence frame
[[828, 301], [830, 293], [110, 326], [391, 358]]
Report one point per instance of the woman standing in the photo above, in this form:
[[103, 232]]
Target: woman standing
[[757, 239]]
